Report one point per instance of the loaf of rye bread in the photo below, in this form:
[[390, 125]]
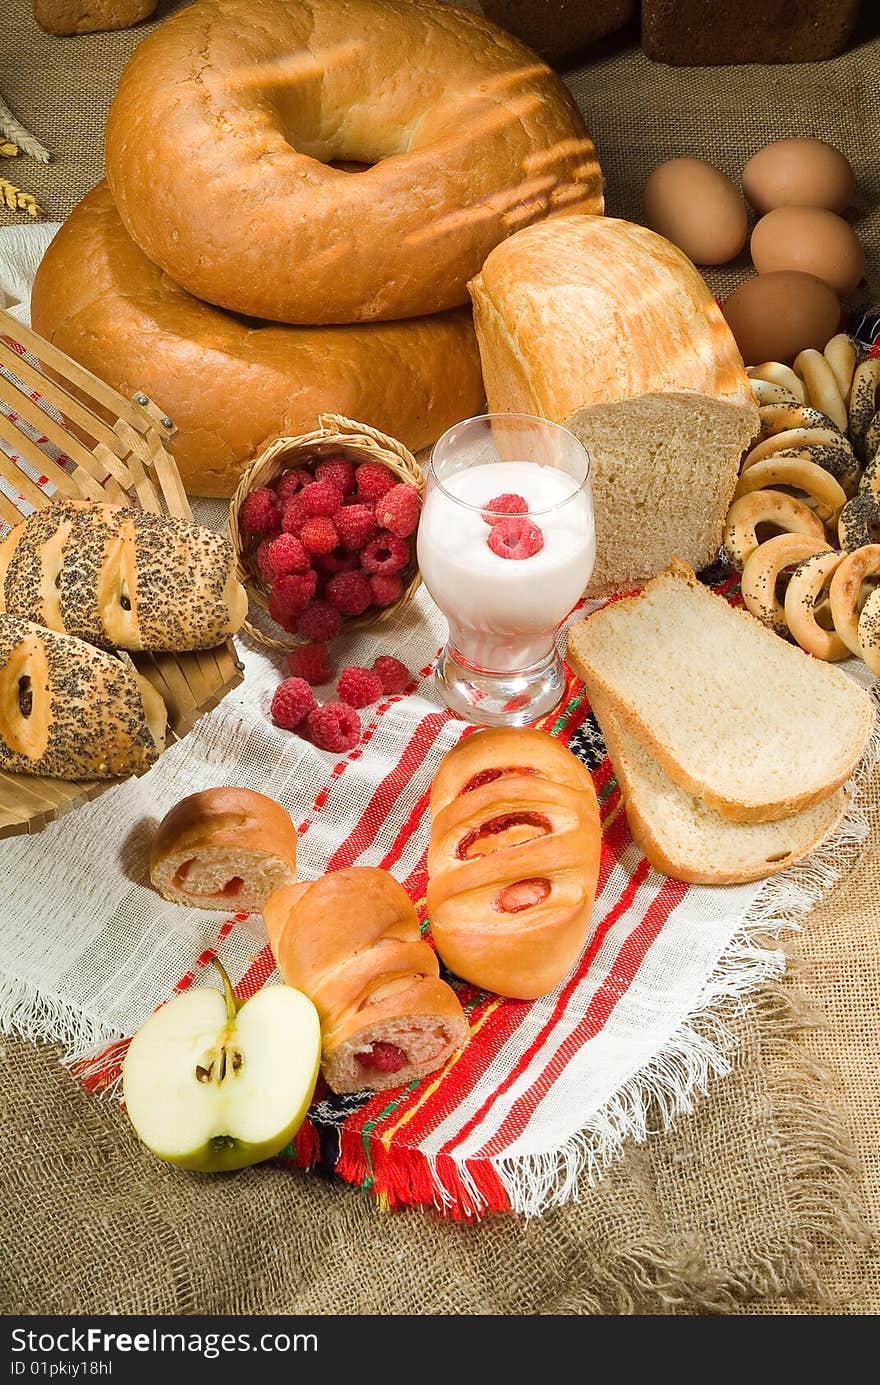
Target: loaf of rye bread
[[698, 33], [71, 711], [558, 29]]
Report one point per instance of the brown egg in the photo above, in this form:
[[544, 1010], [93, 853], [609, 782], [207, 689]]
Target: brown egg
[[811, 240], [697, 207], [799, 173], [774, 316]]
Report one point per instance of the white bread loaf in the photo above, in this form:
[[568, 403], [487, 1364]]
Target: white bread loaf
[[735, 716], [581, 313], [684, 838]]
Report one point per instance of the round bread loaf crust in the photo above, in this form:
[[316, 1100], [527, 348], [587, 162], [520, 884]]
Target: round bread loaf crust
[[229, 385], [229, 117]]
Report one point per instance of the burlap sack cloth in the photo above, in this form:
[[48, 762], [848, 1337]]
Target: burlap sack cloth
[[753, 1204]]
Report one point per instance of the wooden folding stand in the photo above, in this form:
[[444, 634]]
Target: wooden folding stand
[[114, 450]]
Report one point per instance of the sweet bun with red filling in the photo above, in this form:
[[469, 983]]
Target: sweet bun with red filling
[[351, 942], [513, 860], [224, 848]]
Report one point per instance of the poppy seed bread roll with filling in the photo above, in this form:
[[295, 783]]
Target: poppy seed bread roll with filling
[[122, 578], [70, 711], [222, 847], [351, 942]]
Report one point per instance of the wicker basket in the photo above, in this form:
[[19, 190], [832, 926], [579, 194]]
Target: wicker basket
[[336, 435], [118, 453]]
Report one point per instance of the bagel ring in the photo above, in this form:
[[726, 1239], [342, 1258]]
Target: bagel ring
[[763, 569], [827, 495], [230, 120], [824, 446], [850, 587], [821, 385], [766, 507], [232, 386], [806, 600], [775, 373], [765, 392], [869, 632], [779, 418], [842, 355], [858, 524], [863, 403]]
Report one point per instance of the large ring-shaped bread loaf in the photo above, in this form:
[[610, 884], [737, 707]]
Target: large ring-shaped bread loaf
[[229, 117], [232, 386], [513, 860]]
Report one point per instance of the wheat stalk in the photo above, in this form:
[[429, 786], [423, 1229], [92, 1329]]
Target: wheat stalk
[[15, 131], [17, 200]]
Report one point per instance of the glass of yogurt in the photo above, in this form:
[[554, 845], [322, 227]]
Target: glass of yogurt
[[506, 546]]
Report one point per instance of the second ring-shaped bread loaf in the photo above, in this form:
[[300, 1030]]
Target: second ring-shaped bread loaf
[[230, 123]]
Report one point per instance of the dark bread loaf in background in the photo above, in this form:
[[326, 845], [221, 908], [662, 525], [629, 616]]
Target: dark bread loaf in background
[[558, 29], [700, 33]]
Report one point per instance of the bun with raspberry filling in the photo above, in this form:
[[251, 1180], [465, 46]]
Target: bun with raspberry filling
[[225, 848], [513, 860], [351, 942]]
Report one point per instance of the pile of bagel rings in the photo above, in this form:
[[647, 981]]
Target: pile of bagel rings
[[804, 525], [298, 192]]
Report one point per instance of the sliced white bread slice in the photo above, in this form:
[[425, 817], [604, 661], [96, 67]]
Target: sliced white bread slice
[[685, 839], [732, 713]]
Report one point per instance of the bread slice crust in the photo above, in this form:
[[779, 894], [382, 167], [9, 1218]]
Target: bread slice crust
[[750, 851], [678, 758]]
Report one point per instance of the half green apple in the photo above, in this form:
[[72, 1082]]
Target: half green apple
[[214, 1084]]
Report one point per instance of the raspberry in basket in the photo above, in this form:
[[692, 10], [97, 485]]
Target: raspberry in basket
[[356, 525], [398, 510], [284, 554], [311, 662], [292, 481], [516, 538], [319, 621], [351, 593], [263, 559], [294, 516], [335, 726], [259, 513], [288, 597], [373, 480], [506, 504], [392, 674], [340, 472], [321, 498], [387, 588], [385, 554], [292, 703], [318, 535], [359, 686]]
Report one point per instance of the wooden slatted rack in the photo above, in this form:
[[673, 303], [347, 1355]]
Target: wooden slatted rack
[[101, 446]]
